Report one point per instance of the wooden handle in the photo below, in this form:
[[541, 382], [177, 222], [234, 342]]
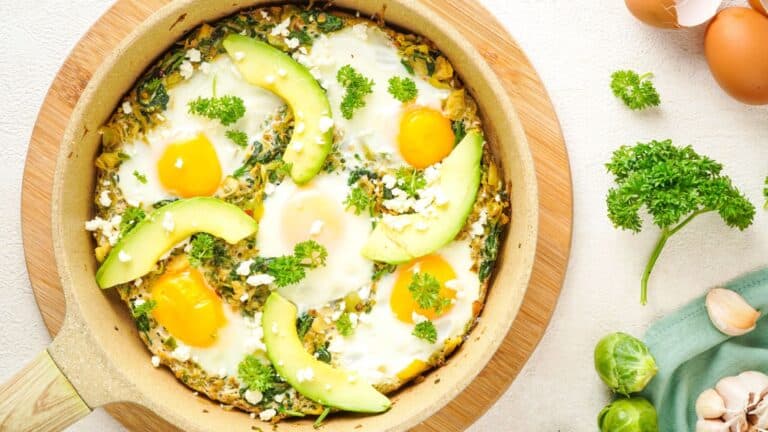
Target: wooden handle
[[39, 398]]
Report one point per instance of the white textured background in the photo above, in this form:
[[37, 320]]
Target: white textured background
[[575, 47]]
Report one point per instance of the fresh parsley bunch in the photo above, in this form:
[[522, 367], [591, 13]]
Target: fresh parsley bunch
[[674, 184], [636, 91]]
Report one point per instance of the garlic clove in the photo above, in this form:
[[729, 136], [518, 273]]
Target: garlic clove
[[712, 426], [710, 405], [756, 384], [736, 397], [730, 313]]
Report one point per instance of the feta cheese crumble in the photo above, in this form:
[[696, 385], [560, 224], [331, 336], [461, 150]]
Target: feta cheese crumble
[[244, 268], [127, 108], [104, 199], [155, 361], [186, 69], [267, 414], [259, 279], [194, 55]]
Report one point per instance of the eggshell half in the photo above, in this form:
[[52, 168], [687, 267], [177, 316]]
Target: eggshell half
[[672, 14], [760, 6], [735, 45]]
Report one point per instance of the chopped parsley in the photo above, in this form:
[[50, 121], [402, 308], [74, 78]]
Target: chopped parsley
[[238, 137], [410, 180], [286, 270], [380, 269], [356, 174], [403, 89], [357, 87], [426, 330], [489, 252], [344, 325], [425, 290], [226, 109], [359, 199], [130, 218], [303, 324], [140, 177], [322, 353], [311, 253], [303, 37], [255, 374], [459, 131], [163, 203], [141, 315], [152, 95], [636, 91], [202, 249], [326, 22]]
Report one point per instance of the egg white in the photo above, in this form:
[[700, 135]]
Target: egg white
[[345, 271], [381, 345], [179, 124], [371, 52], [241, 336]]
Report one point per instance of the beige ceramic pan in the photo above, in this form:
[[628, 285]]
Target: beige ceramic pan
[[91, 363]]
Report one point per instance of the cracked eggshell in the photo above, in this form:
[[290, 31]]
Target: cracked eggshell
[[760, 6], [672, 14]]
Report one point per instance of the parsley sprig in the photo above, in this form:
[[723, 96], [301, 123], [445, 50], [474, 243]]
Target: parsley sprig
[[426, 330], [357, 87], [227, 109], [256, 375], [358, 199], [410, 180], [675, 184], [130, 218], [290, 269], [141, 314], [403, 89], [425, 290], [636, 91], [238, 137]]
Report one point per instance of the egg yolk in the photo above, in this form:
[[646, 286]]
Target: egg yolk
[[402, 302], [187, 307], [190, 168], [312, 215], [425, 137]]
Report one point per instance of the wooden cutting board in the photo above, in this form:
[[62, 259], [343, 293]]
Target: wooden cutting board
[[535, 111]]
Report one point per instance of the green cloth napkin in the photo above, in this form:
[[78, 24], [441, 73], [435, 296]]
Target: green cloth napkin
[[693, 355]]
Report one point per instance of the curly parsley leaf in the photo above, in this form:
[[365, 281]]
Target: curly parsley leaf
[[636, 91], [425, 290], [359, 199], [130, 218], [426, 330], [227, 109], [344, 325], [202, 248], [410, 180], [311, 253], [140, 177], [402, 89], [255, 374], [238, 137], [286, 270], [675, 184], [357, 87], [380, 269], [141, 313]]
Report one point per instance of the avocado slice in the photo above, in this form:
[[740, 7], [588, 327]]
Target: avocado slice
[[459, 181], [265, 66], [164, 228], [327, 385]]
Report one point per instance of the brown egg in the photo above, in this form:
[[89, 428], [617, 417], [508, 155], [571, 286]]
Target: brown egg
[[736, 46], [760, 6], [673, 14]]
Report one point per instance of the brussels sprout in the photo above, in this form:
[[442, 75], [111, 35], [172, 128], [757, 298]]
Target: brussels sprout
[[628, 415], [624, 363]]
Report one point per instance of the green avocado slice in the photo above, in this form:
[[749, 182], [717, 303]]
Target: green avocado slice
[[265, 66], [164, 228], [327, 386], [459, 181]]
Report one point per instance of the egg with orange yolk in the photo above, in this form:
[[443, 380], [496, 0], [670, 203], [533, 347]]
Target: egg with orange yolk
[[425, 137], [187, 155], [396, 132], [317, 211], [382, 347], [204, 327]]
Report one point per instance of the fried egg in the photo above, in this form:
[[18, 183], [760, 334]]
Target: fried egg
[[316, 211], [382, 348], [416, 132], [205, 329], [189, 155]]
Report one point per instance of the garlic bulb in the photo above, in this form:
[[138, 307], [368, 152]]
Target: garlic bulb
[[736, 404], [730, 313], [710, 405]]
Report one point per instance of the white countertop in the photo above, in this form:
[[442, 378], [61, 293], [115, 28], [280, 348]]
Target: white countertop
[[575, 48]]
